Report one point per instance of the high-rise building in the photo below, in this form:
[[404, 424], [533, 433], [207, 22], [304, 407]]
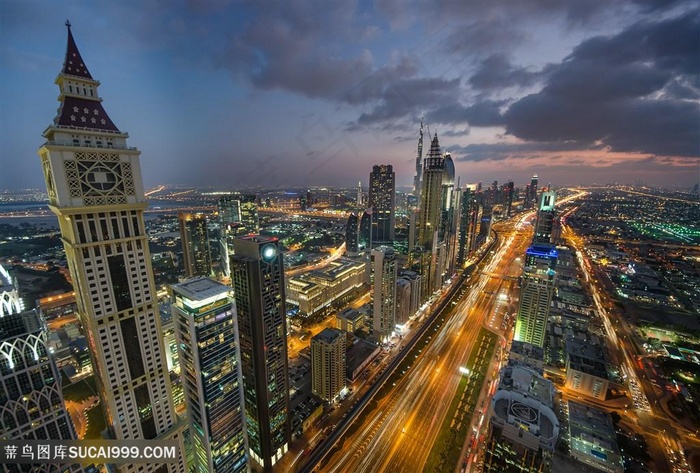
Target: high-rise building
[[545, 217], [238, 215], [509, 192], [403, 300], [30, 385], [365, 237], [468, 223], [352, 241], [196, 257], [93, 180], [536, 295], [328, 364], [382, 201], [358, 199], [207, 333], [431, 196], [533, 191], [257, 276], [419, 164], [383, 261]]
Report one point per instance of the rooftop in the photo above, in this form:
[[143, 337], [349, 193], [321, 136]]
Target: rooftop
[[328, 335], [201, 288]]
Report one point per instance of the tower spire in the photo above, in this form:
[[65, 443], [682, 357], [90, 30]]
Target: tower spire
[[419, 163], [74, 64]]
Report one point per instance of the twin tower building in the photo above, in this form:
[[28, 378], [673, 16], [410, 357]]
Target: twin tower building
[[94, 184]]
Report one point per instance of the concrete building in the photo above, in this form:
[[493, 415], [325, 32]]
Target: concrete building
[[238, 215], [524, 425], [257, 276], [350, 320], [414, 279], [383, 261], [207, 334], [586, 370], [94, 186], [328, 364], [403, 301], [545, 218], [592, 438], [319, 289]]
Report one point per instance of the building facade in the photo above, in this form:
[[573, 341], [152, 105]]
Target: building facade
[[382, 201], [206, 328], [383, 261], [328, 364], [196, 254], [352, 241], [257, 276], [431, 196], [93, 180], [545, 218]]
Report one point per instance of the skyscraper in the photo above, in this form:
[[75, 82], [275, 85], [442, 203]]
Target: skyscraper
[[533, 190], [328, 364], [238, 215], [509, 191], [351, 236], [431, 196], [30, 384], [196, 256], [545, 217], [383, 292], [93, 180], [206, 327], [257, 276], [536, 294], [382, 201], [365, 237], [419, 164]]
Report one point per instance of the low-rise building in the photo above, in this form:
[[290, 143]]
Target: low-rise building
[[593, 439], [349, 320], [586, 370]]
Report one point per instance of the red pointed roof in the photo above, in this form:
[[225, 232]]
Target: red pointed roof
[[74, 64], [84, 113]]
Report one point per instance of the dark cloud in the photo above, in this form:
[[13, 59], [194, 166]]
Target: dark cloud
[[483, 37], [496, 72], [500, 151], [481, 114], [610, 89]]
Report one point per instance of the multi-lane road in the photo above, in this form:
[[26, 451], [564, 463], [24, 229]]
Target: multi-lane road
[[398, 432]]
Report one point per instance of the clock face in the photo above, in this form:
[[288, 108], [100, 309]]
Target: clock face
[[269, 252], [101, 178]]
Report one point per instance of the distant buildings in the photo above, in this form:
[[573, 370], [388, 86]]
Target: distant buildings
[[93, 180], [207, 334], [383, 261], [328, 364], [545, 218], [196, 255], [352, 241], [382, 201], [257, 276], [238, 215]]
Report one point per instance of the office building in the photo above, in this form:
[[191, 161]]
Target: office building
[[382, 201], [431, 196], [414, 279], [206, 328], [257, 276], [328, 364], [508, 193], [238, 215], [586, 369], [352, 241], [545, 218], [537, 288], [93, 180], [349, 320], [417, 179], [383, 261], [593, 439], [532, 195], [403, 301], [317, 291], [10, 300], [196, 257], [365, 237], [524, 425], [468, 225]]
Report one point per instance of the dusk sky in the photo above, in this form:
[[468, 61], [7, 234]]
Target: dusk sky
[[235, 94]]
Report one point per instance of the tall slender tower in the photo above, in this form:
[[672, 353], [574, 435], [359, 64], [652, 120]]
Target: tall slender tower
[[383, 292], [257, 276], [431, 196], [196, 257], [419, 164], [545, 217], [93, 180], [382, 201], [207, 334]]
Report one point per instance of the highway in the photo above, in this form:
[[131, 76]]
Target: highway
[[398, 432]]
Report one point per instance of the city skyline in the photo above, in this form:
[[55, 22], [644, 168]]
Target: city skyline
[[298, 95]]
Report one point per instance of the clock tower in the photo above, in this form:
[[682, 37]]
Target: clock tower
[[93, 180]]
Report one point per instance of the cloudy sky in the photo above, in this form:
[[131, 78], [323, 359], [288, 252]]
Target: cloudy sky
[[231, 94]]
